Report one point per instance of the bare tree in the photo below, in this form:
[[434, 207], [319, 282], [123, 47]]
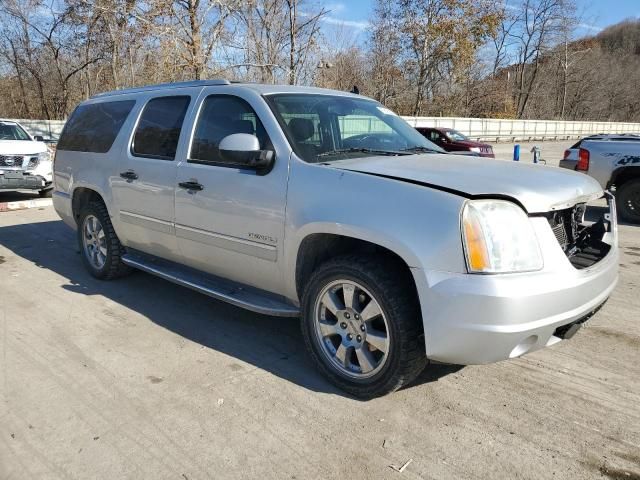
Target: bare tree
[[440, 38], [196, 28], [538, 27]]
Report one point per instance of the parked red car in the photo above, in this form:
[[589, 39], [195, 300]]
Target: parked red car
[[453, 141]]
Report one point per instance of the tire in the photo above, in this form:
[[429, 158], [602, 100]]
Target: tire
[[628, 201], [46, 193], [101, 252], [369, 370]]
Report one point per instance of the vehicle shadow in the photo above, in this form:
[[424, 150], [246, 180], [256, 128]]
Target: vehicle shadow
[[270, 343], [17, 196]]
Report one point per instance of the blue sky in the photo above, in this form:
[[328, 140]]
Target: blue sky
[[596, 14]]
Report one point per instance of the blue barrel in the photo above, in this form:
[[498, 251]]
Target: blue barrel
[[516, 153]]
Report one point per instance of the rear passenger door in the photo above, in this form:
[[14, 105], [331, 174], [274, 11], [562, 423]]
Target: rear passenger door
[[144, 190]]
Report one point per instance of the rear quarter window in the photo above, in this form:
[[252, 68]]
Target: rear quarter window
[[94, 127]]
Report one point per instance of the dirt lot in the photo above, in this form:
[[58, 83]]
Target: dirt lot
[[139, 378]]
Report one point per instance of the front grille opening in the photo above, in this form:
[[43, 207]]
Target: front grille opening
[[580, 231]]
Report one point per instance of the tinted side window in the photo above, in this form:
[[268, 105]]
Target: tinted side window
[[223, 115], [159, 127], [94, 127]]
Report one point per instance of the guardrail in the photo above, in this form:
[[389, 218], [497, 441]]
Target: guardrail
[[49, 129], [487, 129], [492, 129]]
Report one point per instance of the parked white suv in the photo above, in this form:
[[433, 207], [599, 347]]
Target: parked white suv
[[25, 163], [306, 202]]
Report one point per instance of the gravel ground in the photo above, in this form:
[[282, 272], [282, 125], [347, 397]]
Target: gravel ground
[[139, 378]]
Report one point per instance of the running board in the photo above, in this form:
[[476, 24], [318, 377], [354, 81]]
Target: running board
[[242, 296]]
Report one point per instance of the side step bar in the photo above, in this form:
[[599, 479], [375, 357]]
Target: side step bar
[[242, 296]]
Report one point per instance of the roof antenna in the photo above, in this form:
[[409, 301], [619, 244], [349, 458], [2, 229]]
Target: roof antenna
[[355, 90]]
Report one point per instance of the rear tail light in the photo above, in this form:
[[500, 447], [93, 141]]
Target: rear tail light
[[566, 154], [583, 160]]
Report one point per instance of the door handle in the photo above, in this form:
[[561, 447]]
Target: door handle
[[191, 185], [129, 175]]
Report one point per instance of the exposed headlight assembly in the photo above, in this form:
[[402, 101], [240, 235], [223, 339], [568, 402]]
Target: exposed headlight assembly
[[499, 238]]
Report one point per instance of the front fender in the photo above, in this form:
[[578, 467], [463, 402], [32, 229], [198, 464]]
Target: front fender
[[419, 224]]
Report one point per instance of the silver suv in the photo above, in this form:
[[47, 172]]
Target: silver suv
[[325, 205]]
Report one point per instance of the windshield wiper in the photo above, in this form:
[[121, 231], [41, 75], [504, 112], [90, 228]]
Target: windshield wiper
[[360, 150], [418, 148]]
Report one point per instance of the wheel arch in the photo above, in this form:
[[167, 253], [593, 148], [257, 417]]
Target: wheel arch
[[81, 196], [316, 248], [623, 174]]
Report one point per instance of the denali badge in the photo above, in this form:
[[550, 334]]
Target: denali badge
[[262, 238]]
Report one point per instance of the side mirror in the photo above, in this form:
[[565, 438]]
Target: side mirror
[[38, 138], [244, 148]]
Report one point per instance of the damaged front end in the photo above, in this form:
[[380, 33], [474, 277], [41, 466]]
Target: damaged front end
[[586, 231]]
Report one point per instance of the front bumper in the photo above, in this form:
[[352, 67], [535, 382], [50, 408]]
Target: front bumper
[[22, 181], [476, 319]]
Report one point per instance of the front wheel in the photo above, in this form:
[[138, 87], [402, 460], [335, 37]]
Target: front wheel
[[628, 201], [362, 325]]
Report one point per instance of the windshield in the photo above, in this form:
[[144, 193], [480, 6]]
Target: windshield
[[456, 136], [325, 128], [12, 131]]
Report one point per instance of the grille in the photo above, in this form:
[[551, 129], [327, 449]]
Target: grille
[[566, 225], [10, 161], [561, 235]]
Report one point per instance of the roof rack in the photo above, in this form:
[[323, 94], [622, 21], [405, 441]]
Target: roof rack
[[165, 86]]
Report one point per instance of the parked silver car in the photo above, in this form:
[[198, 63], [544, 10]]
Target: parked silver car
[[616, 166], [325, 205], [572, 154]]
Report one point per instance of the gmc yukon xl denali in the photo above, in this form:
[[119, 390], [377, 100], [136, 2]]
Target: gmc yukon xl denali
[[325, 205]]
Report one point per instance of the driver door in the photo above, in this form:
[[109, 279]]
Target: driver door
[[229, 218]]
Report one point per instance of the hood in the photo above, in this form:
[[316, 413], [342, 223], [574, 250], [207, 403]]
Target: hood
[[538, 188], [21, 147]]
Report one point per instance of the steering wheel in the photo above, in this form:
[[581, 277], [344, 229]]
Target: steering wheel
[[376, 141]]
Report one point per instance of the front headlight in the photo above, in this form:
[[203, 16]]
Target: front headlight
[[474, 149], [43, 157], [499, 238]]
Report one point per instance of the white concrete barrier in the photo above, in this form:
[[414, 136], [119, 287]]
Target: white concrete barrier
[[49, 129], [494, 129], [489, 129]]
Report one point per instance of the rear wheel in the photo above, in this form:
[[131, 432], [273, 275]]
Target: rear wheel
[[362, 325], [628, 201], [46, 193], [99, 245]]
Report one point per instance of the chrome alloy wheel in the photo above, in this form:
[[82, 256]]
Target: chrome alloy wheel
[[94, 242], [351, 329]]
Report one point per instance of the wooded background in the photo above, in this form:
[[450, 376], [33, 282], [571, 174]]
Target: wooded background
[[469, 58]]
